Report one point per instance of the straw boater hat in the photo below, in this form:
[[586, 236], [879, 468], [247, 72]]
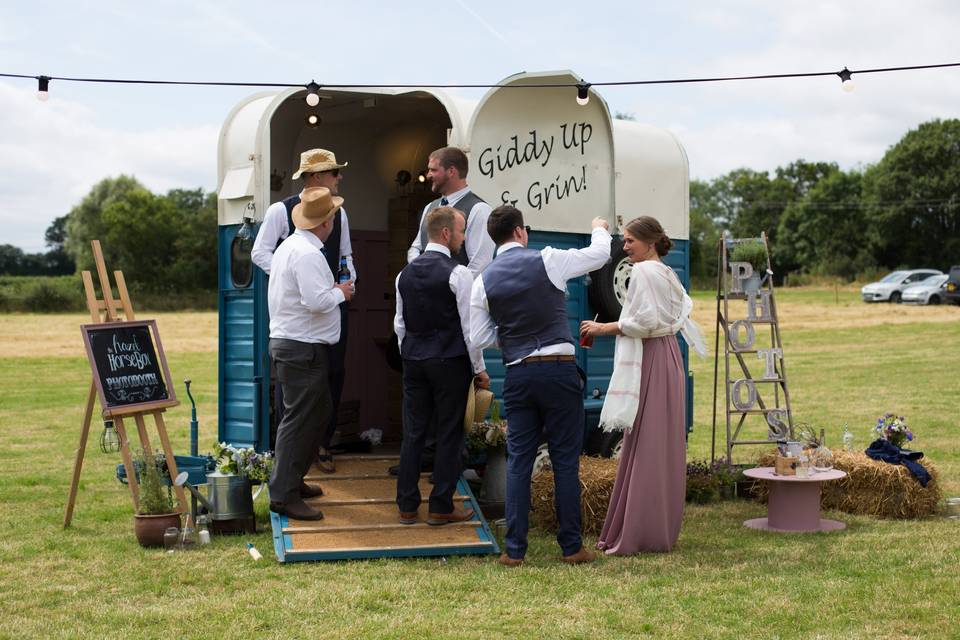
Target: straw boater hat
[[316, 206], [478, 403], [317, 160]]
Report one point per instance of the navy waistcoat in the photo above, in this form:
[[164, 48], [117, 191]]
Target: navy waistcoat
[[464, 205], [430, 313]]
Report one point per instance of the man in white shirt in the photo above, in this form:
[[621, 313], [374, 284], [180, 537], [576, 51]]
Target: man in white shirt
[[447, 171], [318, 168], [433, 327], [519, 304], [303, 300]]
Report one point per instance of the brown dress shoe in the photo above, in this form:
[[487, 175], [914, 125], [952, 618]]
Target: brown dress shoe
[[458, 514], [408, 517], [296, 510], [310, 490], [325, 462], [507, 561], [581, 556]]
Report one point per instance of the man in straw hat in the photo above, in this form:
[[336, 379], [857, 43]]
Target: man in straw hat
[[303, 300], [318, 168], [519, 304], [433, 324]]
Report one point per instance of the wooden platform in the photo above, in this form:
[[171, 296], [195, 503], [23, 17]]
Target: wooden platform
[[361, 519]]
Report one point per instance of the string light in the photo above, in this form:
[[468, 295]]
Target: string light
[[313, 99], [845, 75], [313, 120], [583, 93], [43, 88]]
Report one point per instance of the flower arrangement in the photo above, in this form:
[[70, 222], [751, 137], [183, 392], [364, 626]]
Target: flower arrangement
[[893, 429], [244, 462], [489, 433]]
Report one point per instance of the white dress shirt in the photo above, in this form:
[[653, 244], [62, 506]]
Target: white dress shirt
[[561, 265], [478, 245], [302, 298], [274, 228], [461, 282]]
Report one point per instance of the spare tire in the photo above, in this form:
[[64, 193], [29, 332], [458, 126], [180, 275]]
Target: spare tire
[[608, 285]]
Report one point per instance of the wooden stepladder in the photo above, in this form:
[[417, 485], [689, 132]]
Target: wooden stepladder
[[745, 393], [107, 314]]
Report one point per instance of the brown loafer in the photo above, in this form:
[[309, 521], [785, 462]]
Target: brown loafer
[[457, 515], [325, 462], [507, 561], [310, 490], [296, 510], [408, 517], [581, 556]]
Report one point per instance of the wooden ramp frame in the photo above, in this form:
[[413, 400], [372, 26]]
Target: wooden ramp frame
[[361, 519]]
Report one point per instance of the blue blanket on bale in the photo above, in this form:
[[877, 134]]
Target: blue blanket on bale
[[884, 451]]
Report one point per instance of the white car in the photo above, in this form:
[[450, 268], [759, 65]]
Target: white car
[[891, 286], [930, 291]]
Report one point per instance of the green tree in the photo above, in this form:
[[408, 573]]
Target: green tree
[[195, 262], [913, 195], [140, 234], [704, 231], [85, 221]]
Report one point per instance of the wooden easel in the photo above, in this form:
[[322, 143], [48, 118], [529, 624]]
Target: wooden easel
[[104, 311]]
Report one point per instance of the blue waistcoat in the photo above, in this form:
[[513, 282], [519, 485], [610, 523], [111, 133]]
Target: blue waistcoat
[[430, 313], [530, 313]]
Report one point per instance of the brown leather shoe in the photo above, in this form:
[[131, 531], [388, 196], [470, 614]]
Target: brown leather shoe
[[581, 556], [458, 514], [296, 510], [325, 462], [310, 490], [408, 517], [507, 561]]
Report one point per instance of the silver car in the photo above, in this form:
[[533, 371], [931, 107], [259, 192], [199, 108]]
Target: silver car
[[930, 291], [891, 286]]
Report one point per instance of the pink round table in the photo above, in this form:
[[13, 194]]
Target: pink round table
[[794, 503]]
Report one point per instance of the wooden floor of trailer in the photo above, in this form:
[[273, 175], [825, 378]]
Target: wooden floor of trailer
[[361, 519]]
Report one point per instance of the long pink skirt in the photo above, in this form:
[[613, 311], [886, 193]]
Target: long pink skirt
[[646, 507]]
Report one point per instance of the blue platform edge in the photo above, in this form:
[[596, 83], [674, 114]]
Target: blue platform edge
[[283, 544]]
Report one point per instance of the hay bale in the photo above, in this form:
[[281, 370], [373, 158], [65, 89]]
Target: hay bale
[[873, 488], [597, 476]]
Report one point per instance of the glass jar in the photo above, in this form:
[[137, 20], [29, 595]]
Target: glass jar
[[821, 459], [188, 538], [171, 539], [203, 530]]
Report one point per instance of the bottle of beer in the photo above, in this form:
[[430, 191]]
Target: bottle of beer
[[343, 274]]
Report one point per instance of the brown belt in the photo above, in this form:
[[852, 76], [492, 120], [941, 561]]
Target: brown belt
[[547, 359]]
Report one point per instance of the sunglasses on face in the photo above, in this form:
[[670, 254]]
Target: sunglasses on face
[[526, 228], [334, 172]]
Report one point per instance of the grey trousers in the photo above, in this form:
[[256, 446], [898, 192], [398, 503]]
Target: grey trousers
[[302, 371]]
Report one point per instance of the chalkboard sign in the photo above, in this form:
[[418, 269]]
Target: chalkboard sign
[[130, 374]]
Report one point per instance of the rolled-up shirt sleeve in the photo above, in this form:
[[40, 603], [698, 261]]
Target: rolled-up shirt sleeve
[[272, 230], [315, 283], [563, 264], [483, 330]]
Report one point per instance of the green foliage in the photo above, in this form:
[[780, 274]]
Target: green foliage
[[155, 499], [41, 293], [752, 251]]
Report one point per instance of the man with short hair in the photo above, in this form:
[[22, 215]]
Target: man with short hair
[[318, 168], [432, 325], [447, 171], [303, 301], [519, 304]]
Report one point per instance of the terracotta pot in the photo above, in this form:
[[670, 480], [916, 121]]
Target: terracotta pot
[[150, 528]]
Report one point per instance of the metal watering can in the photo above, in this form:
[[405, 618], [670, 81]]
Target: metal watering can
[[229, 497]]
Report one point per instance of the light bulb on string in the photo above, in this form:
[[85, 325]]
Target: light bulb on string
[[846, 80], [313, 99], [583, 93], [313, 120], [43, 88]]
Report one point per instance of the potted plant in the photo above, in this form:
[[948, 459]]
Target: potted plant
[[754, 253], [491, 436], [702, 484], [155, 513]]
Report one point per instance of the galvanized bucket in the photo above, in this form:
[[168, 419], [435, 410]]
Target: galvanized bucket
[[230, 496]]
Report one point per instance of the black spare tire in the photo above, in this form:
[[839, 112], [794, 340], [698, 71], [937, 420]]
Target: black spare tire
[[608, 285]]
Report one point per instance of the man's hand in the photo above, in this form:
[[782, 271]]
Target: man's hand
[[600, 222], [347, 288], [482, 380]]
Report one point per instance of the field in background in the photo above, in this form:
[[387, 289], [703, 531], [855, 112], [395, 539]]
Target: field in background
[[847, 362]]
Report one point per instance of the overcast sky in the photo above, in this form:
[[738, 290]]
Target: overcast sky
[[52, 153]]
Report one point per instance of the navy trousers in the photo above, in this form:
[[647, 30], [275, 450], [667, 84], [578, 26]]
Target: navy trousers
[[543, 397]]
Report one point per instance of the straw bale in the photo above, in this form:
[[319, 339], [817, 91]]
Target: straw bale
[[873, 488], [596, 483]]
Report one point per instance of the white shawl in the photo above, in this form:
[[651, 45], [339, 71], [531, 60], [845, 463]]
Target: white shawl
[[656, 305]]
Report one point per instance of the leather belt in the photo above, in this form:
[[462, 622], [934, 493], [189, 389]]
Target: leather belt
[[530, 359]]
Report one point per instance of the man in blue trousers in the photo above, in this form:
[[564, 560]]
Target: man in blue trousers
[[519, 304]]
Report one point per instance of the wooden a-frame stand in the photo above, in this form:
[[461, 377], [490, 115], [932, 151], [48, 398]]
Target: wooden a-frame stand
[[103, 311]]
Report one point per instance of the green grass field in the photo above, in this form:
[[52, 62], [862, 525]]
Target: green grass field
[[846, 361]]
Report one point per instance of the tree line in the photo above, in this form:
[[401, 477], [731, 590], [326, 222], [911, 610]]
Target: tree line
[[903, 211]]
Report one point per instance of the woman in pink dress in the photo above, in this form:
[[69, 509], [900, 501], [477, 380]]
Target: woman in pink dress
[[647, 397]]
